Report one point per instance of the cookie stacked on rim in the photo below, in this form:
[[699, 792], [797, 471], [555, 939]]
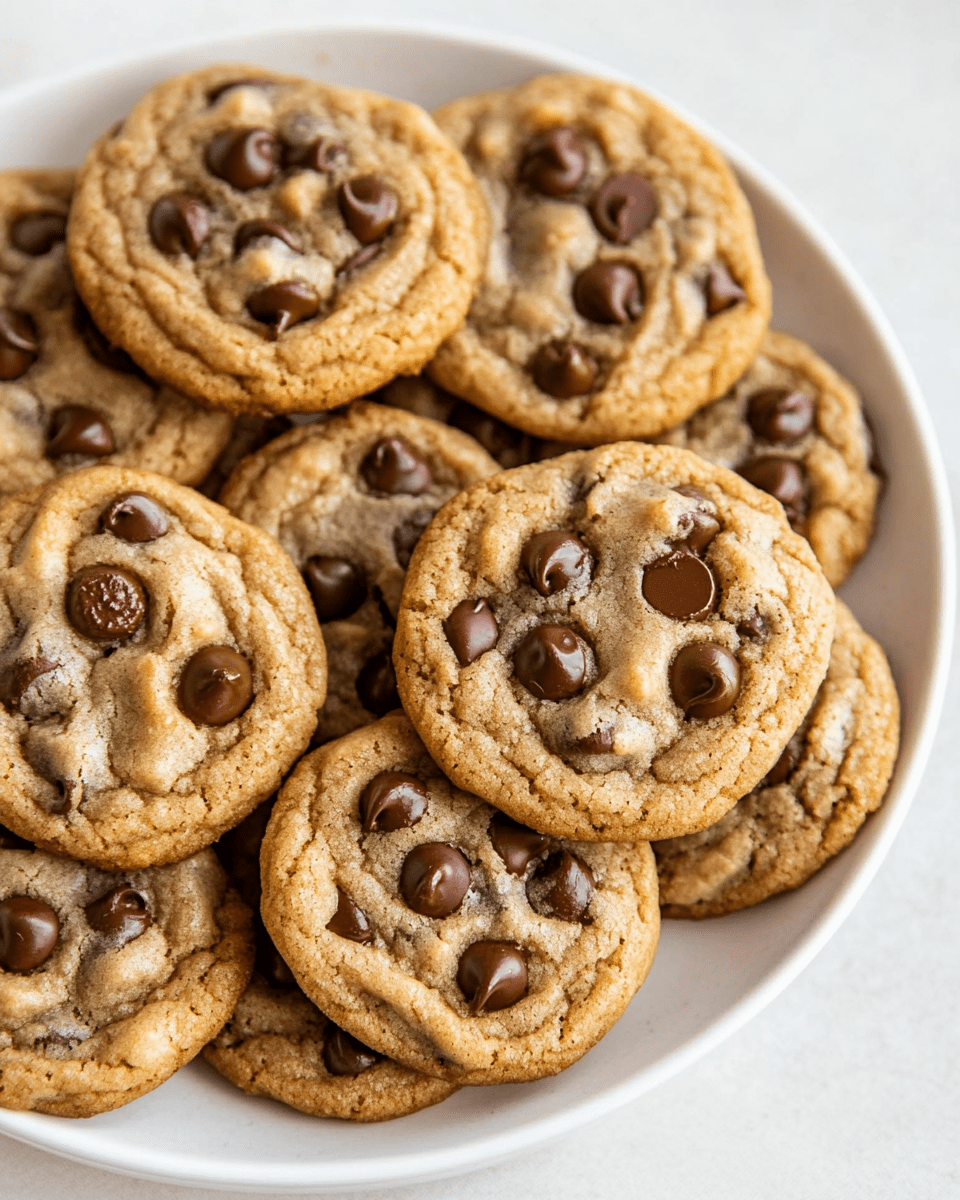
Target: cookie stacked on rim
[[466, 679]]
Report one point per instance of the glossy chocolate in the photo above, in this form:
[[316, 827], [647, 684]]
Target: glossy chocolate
[[562, 888], [19, 343], [516, 844], [75, 429], [598, 742], [681, 586], [349, 921], [394, 467], [555, 163], [721, 290], [245, 158], [38, 233], [135, 518], [782, 769], [624, 207], [106, 603], [335, 584], [344, 1055], [123, 912], [392, 800], [321, 155], [250, 231], [377, 685], [610, 293], [492, 976], [704, 680], [282, 305], [550, 662], [553, 559], [216, 686], [368, 207], [179, 224], [782, 478], [434, 879], [29, 932], [780, 415], [471, 630], [563, 370]]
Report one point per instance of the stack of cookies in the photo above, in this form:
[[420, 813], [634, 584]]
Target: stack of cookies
[[416, 576]]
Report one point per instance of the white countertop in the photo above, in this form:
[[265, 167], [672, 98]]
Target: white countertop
[[847, 1084]]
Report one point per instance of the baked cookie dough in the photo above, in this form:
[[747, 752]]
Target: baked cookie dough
[[795, 428], [833, 772], [67, 397], [279, 1045], [262, 241], [348, 499], [438, 931], [111, 982], [161, 668], [613, 644], [624, 286]]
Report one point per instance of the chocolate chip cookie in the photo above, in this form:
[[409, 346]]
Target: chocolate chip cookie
[[795, 428], [261, 241], [161, 668], [624, 286], [111, 982], [68, 398], [438, 931], [833, 772], [613, 643], [348, 501]]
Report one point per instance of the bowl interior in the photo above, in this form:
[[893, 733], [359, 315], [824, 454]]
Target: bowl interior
[[708, 978]]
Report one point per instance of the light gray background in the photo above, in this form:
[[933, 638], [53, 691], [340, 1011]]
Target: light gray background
[[848, 1085]]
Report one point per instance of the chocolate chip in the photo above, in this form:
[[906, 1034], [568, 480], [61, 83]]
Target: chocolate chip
[[781, 770], [610, 293], [509, 446], [517, 845], [368, 206], [135, 517], [70, 793], [75, 429], [38, 233], [249, 231], [12, 841], [752, 626], [624, 207], [179, 224], [554, 559], [344, 1055], [29, 932], [281, 305], [336, 585], [700, 527], [22, 675], [471, 630], [681, 586], [377, 685], [392, 800], [106, 603], [216, 686], [780, 415], [555, 163], [722, 290], [782, 478], [408, 533], [492, 976], [394, 467], [550, 662], [598, 742], [562, 369], [562, 888], [269, 962], [245, 158], [434, 879], [19, 344], [321, 155], [358, 260], [214, 96], [349, 921], [704, 680], [122, 911], [101, 348]]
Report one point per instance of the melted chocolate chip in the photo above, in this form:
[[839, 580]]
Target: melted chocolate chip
[[245, 158], [509, 446], [610, 293], [38, 233], [624, 207], [249, 231], [106, 603], [344, 1055], [394, 467], [722, 290], [782, 769], [550, 662], [598, 742], [281, 305], [782, 478], [555, 163], [12, 841], [752, 626], [703, 529], [554, 559], [434, 879], [22, 675], [562, 888], [349, 921], [136, 518], [321, 155], [517, 845], [704, 680], [562, 369], [392, 800], [19, 344], [29, 932], [377, 685], [681, 586], [75, 429], [360, 259], [336, 586], [492, 976], [408, 533], [269, 961], [471, 630], [179, 224], [216, 686], [368, 206], [122, 911], [780, 415]]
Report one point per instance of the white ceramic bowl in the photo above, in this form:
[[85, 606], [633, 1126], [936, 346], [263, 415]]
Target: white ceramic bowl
[[708, 978]]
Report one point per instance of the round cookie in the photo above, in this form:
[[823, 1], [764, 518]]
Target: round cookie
[[161, 668], [612, 644], [262, 241], [834, 771], [111, 982], [624, 286], [279, 1045], [795, 428], [348, 499], [439, 932], [67, 397]]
